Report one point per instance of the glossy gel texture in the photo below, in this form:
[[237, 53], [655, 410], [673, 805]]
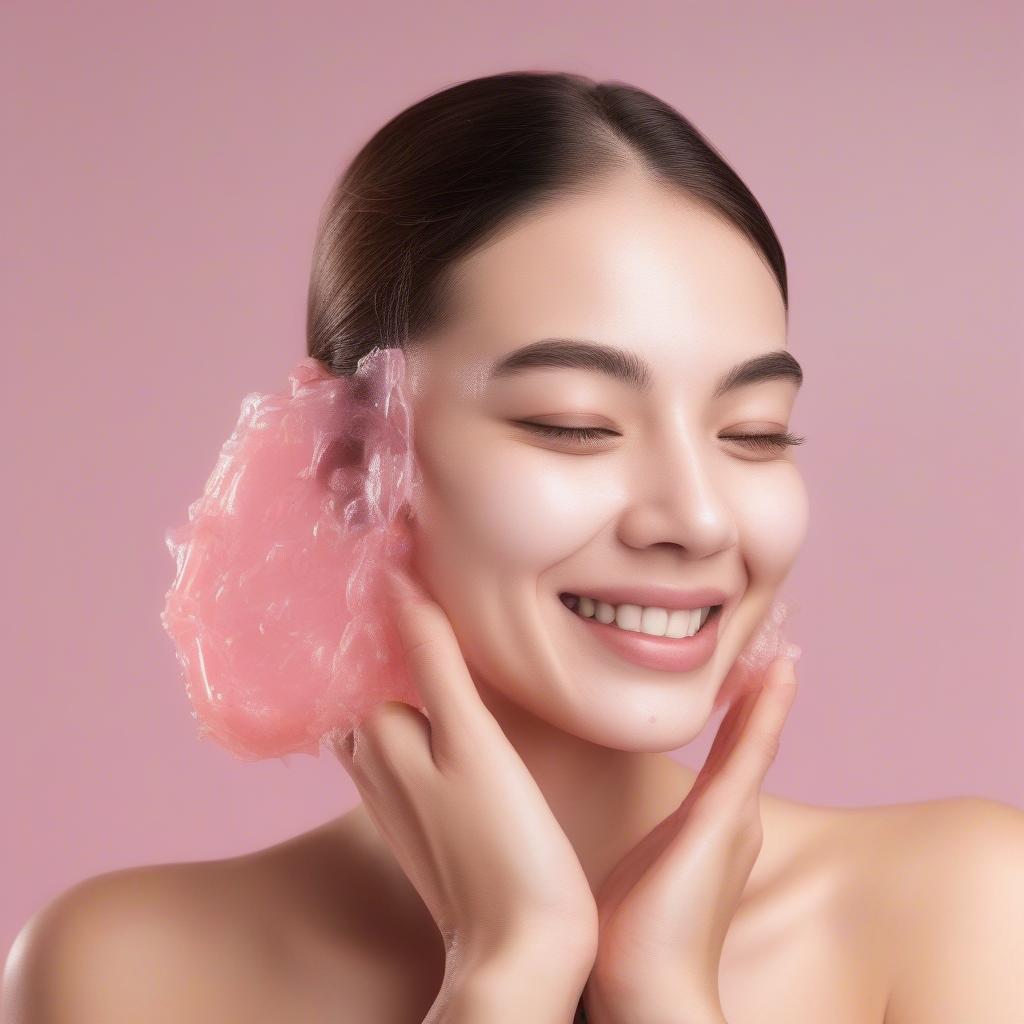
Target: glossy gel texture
[[278, 609]]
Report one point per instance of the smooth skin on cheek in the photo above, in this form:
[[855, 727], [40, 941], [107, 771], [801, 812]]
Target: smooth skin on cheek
[[761, 508], [505, 524], [495, 513], [517, 507], [511, 518], [772, 517]]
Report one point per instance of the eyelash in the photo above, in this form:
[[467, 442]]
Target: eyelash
[[582, 435]]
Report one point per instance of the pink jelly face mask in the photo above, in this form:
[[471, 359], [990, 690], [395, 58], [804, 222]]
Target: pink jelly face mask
[[277, 608]]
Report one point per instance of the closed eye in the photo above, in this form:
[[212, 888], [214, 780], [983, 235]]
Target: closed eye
[[577, 435], [770, 441], [777, 441]]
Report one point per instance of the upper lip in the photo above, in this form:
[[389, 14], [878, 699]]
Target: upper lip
[[654, 595]]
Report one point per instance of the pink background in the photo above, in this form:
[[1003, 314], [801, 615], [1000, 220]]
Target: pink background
[[164, 169]]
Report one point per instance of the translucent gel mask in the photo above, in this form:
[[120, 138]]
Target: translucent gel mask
[[277, 608]]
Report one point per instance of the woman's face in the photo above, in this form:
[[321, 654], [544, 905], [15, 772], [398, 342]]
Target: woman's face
[[509, 517]]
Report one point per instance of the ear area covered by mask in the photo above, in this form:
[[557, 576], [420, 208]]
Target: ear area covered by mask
[[278, 608]]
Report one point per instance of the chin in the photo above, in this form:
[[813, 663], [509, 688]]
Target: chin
[[638, 729]]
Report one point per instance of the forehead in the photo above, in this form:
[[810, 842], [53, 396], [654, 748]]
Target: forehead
[[630, 264]]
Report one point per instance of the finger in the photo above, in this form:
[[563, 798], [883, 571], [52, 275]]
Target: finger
[[438, 668], [393, 736], [725, 738], [391, 767], [342, 742], [744, 766], [729, 730]]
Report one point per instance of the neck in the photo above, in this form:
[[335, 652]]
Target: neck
[[605, 800]]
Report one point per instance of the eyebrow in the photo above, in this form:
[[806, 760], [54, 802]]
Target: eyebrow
[[628, 367]]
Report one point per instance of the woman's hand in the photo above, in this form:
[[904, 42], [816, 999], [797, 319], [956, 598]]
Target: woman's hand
[[466, 820], [665, 909]]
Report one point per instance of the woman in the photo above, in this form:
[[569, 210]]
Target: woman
[[594, 312]]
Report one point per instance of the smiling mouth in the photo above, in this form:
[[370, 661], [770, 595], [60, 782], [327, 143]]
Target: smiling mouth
[[631, 618]]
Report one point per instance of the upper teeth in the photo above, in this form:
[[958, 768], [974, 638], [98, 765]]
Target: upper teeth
[[675, 623]]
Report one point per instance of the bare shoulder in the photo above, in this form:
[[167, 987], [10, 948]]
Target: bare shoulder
[[292, 932], [922, 904], [110, 947], [118, 946], [887, 841], [955, 883], [936, 890]]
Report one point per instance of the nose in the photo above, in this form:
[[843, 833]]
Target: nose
[[674, 499]]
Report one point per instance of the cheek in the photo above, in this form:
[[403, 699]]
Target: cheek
[[489, 521], [523, 511], [772, 515]]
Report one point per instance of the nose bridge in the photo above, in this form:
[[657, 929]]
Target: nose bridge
[[676, 495]]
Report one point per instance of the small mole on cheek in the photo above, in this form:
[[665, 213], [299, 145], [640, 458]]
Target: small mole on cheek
[[651, 719]]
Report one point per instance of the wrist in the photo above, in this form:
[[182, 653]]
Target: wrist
[[510, 985], [656, 1003], [671, 1013]]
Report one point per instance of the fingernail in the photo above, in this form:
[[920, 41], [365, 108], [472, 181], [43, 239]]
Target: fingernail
[[343, 743]]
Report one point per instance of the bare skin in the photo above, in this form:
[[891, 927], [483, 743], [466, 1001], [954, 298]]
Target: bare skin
[[325, 927], [907, 914], [359, 938]]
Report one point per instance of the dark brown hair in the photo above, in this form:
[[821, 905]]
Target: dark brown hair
[[445, 175]]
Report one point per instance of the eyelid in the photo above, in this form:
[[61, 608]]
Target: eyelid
[[558, 430], [766, 440], [774, 440]]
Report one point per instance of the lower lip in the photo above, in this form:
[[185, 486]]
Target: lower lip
[[667, 654]]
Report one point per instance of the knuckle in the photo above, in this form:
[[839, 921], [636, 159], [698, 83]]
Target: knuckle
[[766, 745], [751, 838], [392, 710], [381, 716], [752, 828], [710, 808], [731, 798], [420, 645], [731, 823], [383, 736], [746, 826]]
